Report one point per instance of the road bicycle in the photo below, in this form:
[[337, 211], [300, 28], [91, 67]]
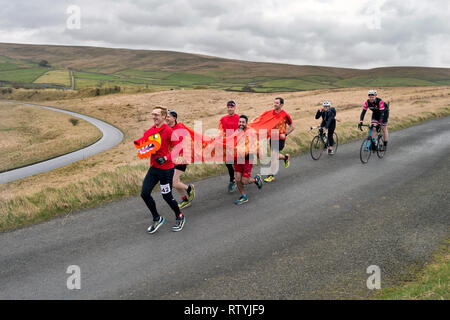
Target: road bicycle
[[320, 143], [371, 145]]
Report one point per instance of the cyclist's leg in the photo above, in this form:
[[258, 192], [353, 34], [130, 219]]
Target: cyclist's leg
[[385, 127], [375, 121], [330, 134]]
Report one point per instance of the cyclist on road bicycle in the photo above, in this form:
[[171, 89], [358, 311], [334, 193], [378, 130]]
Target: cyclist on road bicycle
[[380, 115], [328, 114]]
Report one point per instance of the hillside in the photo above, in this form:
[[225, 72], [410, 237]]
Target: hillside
[[105, 67]]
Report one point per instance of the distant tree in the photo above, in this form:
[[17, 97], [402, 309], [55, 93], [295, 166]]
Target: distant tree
[[73, 121], [44, 63], [247, 89]]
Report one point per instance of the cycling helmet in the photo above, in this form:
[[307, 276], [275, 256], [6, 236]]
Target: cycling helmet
[[372, 92], [327, 104], [231, 103]]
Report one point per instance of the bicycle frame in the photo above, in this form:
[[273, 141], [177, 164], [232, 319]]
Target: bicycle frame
[[322, 135], [371, 139]]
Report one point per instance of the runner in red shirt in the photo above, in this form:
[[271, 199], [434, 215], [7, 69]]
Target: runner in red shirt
[[228, 125], [187, 198], [161, 170], [285, 127], [243, 167]]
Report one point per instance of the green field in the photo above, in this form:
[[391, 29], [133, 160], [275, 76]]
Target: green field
[[22, 75], [58, 77], [104, 67]]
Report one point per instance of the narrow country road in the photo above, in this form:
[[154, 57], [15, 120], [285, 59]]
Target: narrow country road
[[111, 137], [311, 234]]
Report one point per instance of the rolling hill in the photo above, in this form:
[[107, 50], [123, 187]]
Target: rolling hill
[[106, 67]]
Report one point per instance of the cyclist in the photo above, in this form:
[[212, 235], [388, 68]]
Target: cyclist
[[328, 114], [380, 115]]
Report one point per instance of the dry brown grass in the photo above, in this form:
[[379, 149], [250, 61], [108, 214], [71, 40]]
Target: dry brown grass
[[31, 134], [118, 171]]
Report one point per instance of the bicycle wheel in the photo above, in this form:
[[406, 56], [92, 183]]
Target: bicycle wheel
[[381, 150], [336, 142], [316, 148], [365, 151]]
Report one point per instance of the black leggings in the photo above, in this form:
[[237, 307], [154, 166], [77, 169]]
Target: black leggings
[[164, 177], [331, 129], [230, 171]]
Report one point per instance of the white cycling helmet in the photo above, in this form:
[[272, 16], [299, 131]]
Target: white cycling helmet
[[327, 104], [372, 92]]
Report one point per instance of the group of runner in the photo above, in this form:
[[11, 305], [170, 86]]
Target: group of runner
[[167, 173]]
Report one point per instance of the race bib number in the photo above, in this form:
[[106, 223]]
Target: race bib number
[[165, 188]]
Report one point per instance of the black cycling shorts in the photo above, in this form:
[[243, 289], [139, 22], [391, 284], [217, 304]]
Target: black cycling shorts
[[376, 117]]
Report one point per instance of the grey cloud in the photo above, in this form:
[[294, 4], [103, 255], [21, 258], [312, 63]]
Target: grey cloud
[[276, 31]]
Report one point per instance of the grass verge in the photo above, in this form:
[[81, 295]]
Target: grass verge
[[430, 283]]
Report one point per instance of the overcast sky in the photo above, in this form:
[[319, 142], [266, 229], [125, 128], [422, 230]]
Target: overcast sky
[[350, 33]]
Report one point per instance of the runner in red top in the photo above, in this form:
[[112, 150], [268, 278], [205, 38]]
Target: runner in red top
[[285, 127], [243, 166], [228, 125], [180, 168], [161, 170]]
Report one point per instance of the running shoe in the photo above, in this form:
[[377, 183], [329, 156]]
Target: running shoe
[[258, 181], [241, 200], [179, 224], [231, 186], [330, 152], [286, 161], [269, 178], [184, 204], [156, 225], [191, 194]]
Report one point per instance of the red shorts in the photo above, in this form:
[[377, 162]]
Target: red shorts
[[245, 169]]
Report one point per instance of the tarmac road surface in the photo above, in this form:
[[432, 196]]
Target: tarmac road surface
[[311, 234]]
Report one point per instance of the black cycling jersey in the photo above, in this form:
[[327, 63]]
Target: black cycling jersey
[[328, 117]]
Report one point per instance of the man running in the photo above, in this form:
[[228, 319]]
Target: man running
[[161, 170], [228, 125], [243, 166], [328, 114], [285, 127], [187, 198], [380, 115]]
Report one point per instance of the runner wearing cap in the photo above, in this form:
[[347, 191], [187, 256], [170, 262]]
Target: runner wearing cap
[[228, 125], [186, 192]]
